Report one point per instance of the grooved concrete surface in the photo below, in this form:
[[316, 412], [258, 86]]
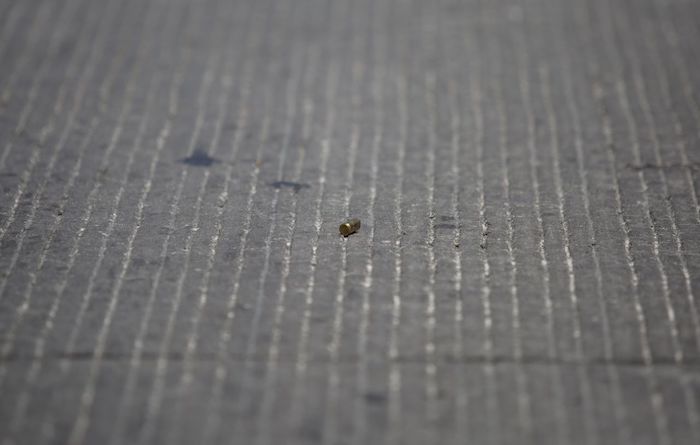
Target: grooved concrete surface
[[173, 174]]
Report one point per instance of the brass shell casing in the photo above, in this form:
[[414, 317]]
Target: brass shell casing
[[349, 227]]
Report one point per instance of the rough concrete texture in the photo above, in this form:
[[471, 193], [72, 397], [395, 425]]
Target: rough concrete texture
[[173, 174]]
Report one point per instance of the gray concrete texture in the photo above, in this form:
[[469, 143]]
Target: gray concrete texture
[[173, 175]]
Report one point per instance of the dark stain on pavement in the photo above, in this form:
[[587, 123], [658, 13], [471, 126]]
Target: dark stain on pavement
[[199, 158], [375, 397], [296, 186], [672, 166]]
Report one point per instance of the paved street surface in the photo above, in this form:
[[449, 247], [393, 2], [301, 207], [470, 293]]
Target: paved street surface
[[173, 174]]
